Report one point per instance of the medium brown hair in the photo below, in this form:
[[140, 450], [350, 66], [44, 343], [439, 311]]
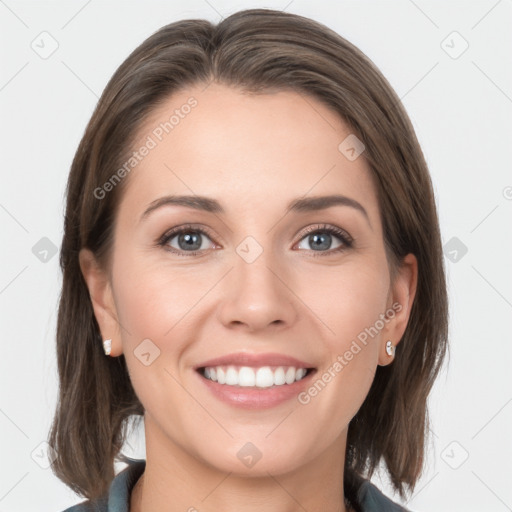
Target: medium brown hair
[[257, 51]]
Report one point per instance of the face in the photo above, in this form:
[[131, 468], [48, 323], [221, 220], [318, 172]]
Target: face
[[249, 279]]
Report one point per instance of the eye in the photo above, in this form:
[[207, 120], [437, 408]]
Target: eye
[[320, 237], [189, 240]]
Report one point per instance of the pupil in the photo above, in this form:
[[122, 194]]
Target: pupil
[[313, 239], [191, 241]]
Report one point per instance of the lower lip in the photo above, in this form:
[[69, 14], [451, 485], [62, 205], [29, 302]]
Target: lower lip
[[256, 398]]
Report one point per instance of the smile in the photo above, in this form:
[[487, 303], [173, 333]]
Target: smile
[[262, 377]]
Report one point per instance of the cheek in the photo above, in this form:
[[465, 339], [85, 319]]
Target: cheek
[[152, 299], [349, 302], [346, 300], [153, 305]]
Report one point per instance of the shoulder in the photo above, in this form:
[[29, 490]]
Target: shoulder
[[372, 499], [366, 497], [118, 497]]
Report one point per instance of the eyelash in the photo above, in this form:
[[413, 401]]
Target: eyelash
[[323, 228]]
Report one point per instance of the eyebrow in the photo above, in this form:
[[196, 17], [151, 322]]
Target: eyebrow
[[306, 204]]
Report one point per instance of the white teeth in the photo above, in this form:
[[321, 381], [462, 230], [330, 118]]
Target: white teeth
[[279, 377], [301, 372], [264, 377], [290, 375], [247, 376], [231, 377]]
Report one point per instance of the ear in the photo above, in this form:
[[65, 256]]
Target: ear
[[400, 300], [100, 292]]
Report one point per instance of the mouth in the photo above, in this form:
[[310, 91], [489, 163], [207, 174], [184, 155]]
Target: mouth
[[261, 377], [255, 381]]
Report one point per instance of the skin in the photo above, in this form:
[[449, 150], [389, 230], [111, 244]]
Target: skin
[[253, 154]]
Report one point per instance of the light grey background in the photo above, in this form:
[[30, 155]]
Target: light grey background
[[460, 105]]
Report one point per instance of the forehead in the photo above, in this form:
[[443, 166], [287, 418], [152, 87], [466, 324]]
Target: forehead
[[260, 151]]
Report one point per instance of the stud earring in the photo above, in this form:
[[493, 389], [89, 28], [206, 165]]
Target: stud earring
[[389, 348], [107, 346]]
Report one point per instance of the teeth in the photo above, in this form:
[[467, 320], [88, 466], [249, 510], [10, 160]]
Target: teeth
[[246, 376], [264, 377], [279, 376], [231, 377]]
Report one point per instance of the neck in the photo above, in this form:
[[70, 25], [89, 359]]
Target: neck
[[174, 480]]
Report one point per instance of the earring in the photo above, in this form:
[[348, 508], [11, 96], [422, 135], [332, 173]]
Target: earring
[[389, 348], [107, 346]]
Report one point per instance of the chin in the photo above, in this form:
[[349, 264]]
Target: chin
[[249, 459]]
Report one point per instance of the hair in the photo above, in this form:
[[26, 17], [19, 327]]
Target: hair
[[256, 51]]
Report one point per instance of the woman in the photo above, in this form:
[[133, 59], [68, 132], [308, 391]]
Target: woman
[[252, 264]]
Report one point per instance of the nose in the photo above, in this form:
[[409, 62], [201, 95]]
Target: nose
[[258, 295]]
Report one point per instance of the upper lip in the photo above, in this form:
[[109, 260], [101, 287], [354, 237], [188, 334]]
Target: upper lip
[[254, 360]]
